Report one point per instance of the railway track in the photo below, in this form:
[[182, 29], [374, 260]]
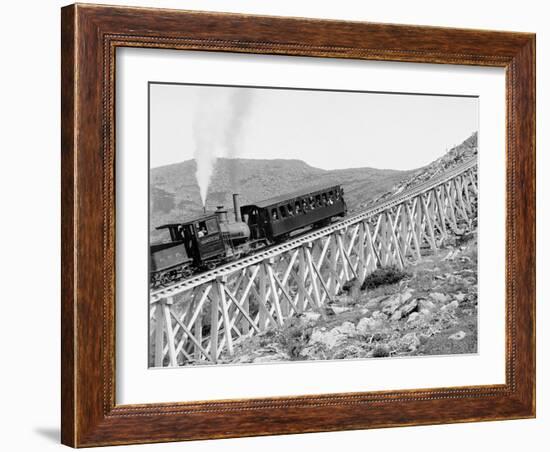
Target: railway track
[[300, 240]]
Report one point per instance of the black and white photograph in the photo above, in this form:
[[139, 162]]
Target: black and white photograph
[[294, 224]]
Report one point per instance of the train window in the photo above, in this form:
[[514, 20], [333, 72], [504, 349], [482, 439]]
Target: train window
[[211, 226], [311, 203], [283, 212], [325, 199], [304, 205], [274, 214], [318, 200], [298, 208], [201, 229], [290, 209], [252, 217]]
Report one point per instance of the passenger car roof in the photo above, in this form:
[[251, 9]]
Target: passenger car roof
[[293, 195]]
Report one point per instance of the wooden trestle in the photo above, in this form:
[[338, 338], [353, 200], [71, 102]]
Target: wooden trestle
[[198, 319]]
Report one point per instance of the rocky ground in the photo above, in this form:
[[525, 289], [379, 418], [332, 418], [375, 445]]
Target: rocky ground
[[431, 310]]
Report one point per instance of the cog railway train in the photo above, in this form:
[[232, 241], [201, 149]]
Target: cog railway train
[[211, 240]]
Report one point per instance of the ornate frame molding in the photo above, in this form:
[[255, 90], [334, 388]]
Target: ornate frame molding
[[90, 36]]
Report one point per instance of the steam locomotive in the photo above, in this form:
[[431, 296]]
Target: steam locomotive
[[211, 239]]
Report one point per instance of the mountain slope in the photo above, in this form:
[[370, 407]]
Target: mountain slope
[[175, 193], [455, 156]]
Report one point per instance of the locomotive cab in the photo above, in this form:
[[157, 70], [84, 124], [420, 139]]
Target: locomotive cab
[[202, 238]]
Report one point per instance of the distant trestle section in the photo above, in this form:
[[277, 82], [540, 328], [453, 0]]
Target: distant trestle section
[[196, 320]]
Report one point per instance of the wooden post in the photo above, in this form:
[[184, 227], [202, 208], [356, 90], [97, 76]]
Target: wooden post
[[418, 214], [431, 213], [342, 255], [159, 335], [451, 205], [415, 238], [285, 306], [220, 282], [441, 212], [245, 325], [472, 180], [198, 331], [466, 189], [381, 237], [362, 267], [429, 223], [458, 189], [214, 332], [398, 257], [274, 294], [404, 231], [302, 266], [333, 265], [375, 259], [312, 275], [385, 238], [169, 331], [262, 302]]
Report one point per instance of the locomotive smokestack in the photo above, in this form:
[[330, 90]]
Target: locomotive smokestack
[[236, 207]]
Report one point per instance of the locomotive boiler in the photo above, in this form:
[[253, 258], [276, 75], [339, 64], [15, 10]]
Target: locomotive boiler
[[211, 239]]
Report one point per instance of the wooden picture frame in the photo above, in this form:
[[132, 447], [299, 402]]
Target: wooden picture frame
[[90, 35]]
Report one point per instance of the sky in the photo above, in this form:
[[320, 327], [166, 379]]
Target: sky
[[326, 129]]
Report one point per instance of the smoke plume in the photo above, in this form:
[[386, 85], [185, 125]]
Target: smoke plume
[[217, 128]]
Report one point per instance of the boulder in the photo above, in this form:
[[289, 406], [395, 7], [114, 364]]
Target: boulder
[[414, 317], [310, 316], [346, 328], [460, 297], [405, 310], [458, 336], [374, 302], [396, 315], [439, 297], [410, 307], [393, 303], [339, 309], [335, 336], [377, 315], [451, 306], [329, 339], [410, 341], [427, 305], [346, 299], [369, 325]]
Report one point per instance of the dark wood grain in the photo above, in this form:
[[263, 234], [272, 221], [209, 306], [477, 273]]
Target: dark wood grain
[[68, 298], [90, 36]]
